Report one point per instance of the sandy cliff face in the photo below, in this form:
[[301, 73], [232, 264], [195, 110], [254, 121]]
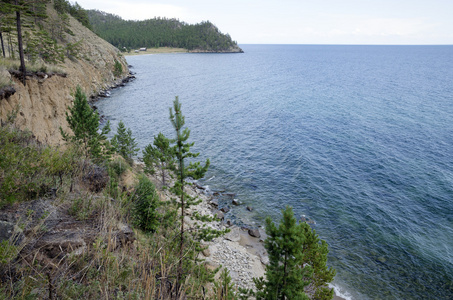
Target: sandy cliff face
[[44, 101]]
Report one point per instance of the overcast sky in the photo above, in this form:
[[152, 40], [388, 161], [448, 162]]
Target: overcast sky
[[303, 21]]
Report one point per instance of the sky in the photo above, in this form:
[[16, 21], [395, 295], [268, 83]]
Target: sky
[[391, 22]]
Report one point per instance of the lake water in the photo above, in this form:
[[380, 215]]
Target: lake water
[[357, 138]]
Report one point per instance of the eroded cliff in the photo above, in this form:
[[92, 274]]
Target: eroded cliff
[[44, 100]]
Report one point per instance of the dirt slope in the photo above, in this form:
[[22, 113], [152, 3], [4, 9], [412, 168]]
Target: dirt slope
[[44, 100]]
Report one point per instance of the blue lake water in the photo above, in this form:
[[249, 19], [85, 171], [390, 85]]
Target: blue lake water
[[357, 138]]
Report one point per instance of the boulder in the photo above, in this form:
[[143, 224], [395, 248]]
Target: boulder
[[249, 208], [225, 209], [235, 202], [214, 202], [264, 259], [220, 214], [206, 252], [254, 233]]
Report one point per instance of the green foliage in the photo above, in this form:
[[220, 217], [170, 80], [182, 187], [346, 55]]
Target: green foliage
[[117, 69], [118, 166], [84, 123], [315, 251], [123, 142], [158, 32], [161, 155], [182, 151], [7, 252], [28, 170], [182, 148], [39, 44], [81, 208], [75, 10], [146, 215], [297, 262], [73, 49], [224, 288]]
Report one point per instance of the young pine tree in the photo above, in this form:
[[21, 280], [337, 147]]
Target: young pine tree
[[161, 155], [224, 288], [146, 200], [84, 123], [297, 262], [124, 143], [194, 170]]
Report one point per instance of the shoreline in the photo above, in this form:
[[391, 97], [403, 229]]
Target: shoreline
[[160, 50], [242, 254], [170, 50]]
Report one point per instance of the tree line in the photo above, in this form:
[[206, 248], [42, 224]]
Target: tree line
[[158, 32]]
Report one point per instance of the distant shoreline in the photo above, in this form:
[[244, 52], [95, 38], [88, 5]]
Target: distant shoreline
[[157, 51], [161, 50]]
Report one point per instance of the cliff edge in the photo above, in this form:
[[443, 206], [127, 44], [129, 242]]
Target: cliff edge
[[44, 100]]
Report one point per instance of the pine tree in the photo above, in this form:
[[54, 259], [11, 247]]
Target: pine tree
[[297, 262], [315, 252], [124, 143], [84, 123], [161, 155], [194, 170], [286, 273], [224, 288], [146, 203]]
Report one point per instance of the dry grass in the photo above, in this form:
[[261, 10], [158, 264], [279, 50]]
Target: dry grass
[[13, 64], [104, 266]]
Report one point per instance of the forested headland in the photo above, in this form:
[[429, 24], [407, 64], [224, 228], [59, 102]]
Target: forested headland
[[160, 32]]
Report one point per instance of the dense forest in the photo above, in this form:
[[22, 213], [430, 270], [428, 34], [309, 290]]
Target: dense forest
[[160, 32]]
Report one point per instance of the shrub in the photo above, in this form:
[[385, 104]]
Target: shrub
[[123, 142], [117, 69], [146, 215], [84, 123]]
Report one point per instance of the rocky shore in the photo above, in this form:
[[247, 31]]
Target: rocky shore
[[241, 251]]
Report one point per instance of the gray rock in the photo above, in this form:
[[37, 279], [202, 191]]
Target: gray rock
[[220, 214], [235, 202], [249, 208], [264, 259], [254, 233], [214, 202], [206, 252], [6, 230], [11, 232], [233, 236], [225, 209]]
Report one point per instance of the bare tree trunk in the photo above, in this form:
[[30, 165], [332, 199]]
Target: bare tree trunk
[[21, 47], [10, 46], [3, 46], [181, 242]]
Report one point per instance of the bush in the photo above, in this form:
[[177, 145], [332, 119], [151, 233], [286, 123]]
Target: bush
[[146, 216], [117, 69], [28, 170], [119, 166]]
